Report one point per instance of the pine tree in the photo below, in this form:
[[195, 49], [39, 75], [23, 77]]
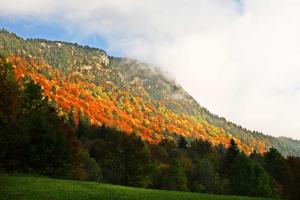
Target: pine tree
[[182, 143], [174, 178]]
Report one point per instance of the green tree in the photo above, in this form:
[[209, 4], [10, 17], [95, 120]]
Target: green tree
[[40, 146], [202, 176], [10, 109], [46, 149], [277, 167], [232, 153], [91, 168], [257, 157], [248, 178], [33, 99], [108, 156], [139, 166], [174, 178], [202, 147], [182, 143], [294, 163]]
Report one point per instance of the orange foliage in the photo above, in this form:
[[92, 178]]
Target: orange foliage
[[136, 114]]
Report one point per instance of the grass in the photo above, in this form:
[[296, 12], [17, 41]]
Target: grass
[[27, 188]]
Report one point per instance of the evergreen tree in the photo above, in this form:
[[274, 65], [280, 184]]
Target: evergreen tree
[[138, 164], [233, 150], [232, 153], [294, 164], [174, 178], [278, 168], [248, 178], [257, 157], [182, 143], [202, 147], [10, 109], [202, 176]]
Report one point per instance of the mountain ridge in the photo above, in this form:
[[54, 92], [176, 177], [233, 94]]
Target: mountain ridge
[[138, 79]]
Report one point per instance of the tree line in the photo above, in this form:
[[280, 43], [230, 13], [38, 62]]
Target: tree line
[[36, 138]]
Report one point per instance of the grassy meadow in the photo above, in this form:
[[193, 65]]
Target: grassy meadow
[[32, 188]]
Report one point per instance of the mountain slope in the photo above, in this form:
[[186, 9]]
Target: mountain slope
[[125, 93]]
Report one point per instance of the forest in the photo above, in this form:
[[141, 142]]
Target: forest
[[36, 137], [125, 94]]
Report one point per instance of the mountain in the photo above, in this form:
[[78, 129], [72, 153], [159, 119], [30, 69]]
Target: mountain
[[124, 93]]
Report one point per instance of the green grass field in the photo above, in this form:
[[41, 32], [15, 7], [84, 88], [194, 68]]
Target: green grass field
[[15, 187]]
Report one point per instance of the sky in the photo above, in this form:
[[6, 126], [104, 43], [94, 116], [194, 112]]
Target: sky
[[238, 58]]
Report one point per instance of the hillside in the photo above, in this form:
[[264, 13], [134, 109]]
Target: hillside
[[13, 187], [124, 93]]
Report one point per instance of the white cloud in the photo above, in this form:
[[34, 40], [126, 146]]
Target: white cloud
[[244, 66]]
